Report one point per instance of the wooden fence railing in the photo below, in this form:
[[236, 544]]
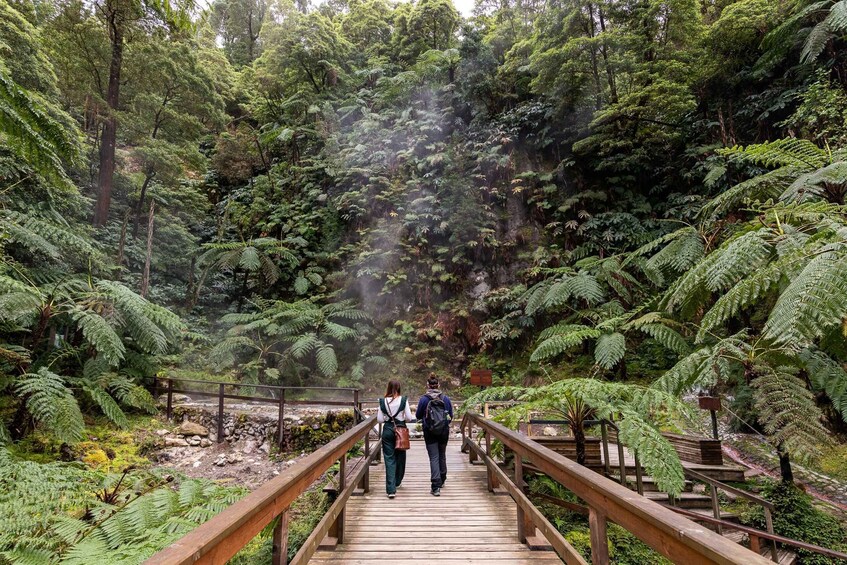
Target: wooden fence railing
[[223, 536], [672, 535], [274, 395]]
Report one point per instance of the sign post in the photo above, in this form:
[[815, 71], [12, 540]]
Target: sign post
[[481, 377], [712, 404]]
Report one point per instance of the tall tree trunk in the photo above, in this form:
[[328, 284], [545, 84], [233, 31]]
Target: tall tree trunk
[[138, 206], [145, 278], [121, 245], [110, 128], [610, 74], [578, 432], [785, 465]]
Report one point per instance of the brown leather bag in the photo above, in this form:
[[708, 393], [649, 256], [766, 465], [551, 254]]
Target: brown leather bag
[[401, 433]]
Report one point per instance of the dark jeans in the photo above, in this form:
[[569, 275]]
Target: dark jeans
[[436, 449], [395, 460]]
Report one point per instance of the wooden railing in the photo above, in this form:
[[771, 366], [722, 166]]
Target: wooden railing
[[715, 486], [674, 536], [755, 536], [223, 536], [275, 395]]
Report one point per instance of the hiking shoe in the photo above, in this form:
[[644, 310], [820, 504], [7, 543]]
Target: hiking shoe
[[391, 495], [435, 492]]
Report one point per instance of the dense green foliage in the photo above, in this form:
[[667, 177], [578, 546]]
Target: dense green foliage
[[127, 517], [326, 193]]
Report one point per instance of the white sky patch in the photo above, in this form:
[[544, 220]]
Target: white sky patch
[[465, 7]]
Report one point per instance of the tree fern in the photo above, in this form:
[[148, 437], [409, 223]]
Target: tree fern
[[100, 334], [610, 349], [107, 405], [788, 412], [828, 376], [32, 134], [814, 301], [52, 404], [737, 258], [559, 343], [640, 407]]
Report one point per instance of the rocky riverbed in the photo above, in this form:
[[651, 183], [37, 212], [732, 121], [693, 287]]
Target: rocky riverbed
[[248, 452]]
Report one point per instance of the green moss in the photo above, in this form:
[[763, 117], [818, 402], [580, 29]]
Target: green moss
[[834, 462], [106, 447]]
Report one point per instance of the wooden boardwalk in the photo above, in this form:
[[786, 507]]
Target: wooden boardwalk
[[466, 524]]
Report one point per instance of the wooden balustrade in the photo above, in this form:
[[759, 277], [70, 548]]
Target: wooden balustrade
[[670, 534], [223, 536]]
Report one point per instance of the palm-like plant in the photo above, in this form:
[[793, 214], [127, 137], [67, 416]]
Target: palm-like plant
[[577, 400], [610, 335], [827, 20], [285, 332], [259, 257], [783, 404], [103, 330], [800, 172], [32, 134]]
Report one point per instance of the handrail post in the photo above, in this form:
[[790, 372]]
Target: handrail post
[[492, 480], [221, 392], [366, 478], [716, 508], [525, 523], [605, 435], [485, 410], [472, 457], [755, 544], [621, 462], [356, 407], [769, 524], [599, 537], [281, 424], [337, 529], [169, 413], [280, 541], [639, 481]]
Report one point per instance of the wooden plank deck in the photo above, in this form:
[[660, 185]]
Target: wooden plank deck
[[466, 524]]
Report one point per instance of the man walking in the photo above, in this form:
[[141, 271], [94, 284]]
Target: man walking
[[435, 411]]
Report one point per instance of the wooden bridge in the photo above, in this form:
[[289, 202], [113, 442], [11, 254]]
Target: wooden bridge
[[483, 515]]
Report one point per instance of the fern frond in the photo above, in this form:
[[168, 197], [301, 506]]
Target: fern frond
[[108, 405], [326, 360], [559, 343], [610, 350], [788, 412], [815, 300], [50, 402], [100, 335]]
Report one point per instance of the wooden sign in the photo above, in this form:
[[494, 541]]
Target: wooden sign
[[481, 377], [709, 403]]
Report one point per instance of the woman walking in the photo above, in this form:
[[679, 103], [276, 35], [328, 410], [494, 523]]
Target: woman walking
[[394, 412]]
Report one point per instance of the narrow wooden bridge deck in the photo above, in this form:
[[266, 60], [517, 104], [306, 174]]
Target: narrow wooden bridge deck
[[469, 523], [466, 524]]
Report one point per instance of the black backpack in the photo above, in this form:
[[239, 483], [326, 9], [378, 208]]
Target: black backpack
[[436, 418]]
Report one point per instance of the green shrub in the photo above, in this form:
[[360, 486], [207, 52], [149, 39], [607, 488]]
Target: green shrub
[[797, 518]]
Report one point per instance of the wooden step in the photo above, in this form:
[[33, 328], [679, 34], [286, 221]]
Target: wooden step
[[686, 500], [785, 556], [707, 512], [649, 483]]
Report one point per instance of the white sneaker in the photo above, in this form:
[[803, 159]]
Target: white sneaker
[[391, 495]]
